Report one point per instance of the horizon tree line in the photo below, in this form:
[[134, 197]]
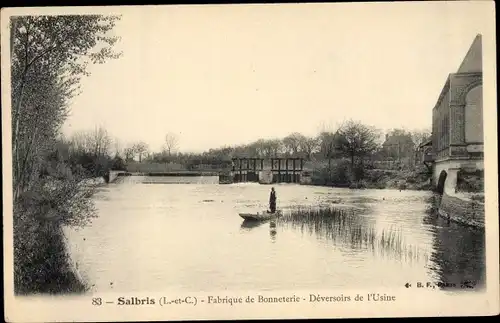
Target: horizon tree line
[[352, 140]]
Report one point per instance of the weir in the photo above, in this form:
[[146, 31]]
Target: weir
[[241, 170], [267, 171]]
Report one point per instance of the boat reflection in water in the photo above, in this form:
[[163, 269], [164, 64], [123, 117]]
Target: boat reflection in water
[[250, 224], [272, 230]]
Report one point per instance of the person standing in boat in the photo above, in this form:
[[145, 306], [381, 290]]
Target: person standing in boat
[[272, 200]]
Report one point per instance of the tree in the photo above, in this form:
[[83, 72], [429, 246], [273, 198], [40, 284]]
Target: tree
[[419, 136], [327, 148], [79, 142], [91, 150], [171, 142], [276, 147], [308, 145], [129, 153], [292, 143], [49, 55], [99, 141], [118, 148], [326, 144], [356, 140], [141, 149], [261, 148]]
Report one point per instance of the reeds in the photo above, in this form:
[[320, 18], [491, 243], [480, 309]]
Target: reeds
[[346, 228]]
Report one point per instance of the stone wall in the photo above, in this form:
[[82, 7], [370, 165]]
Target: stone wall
[[113, 174], [455, 164], [463, 211]]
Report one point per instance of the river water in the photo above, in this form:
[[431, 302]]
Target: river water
[[155, 234]]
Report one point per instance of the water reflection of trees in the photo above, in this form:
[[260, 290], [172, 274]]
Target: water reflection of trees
[[347, 228], [459, 255]]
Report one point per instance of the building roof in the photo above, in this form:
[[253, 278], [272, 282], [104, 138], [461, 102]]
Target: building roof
[[397, 139], [426, 143], [472, 62]]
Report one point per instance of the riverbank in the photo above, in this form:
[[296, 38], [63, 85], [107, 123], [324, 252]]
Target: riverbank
[[41, 259], [340, 176], [465, 204], [462, 210]]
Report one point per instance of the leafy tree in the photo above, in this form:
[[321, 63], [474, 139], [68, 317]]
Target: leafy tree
[[118, 163], [49, 55], [356, 140]]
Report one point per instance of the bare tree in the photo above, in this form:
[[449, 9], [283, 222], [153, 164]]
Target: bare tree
[[79, 142], [419, 136], [326, 144], [276, 147], [261, 147], [171, 142], [308, 146], [99, 141], [292, 143], [118, 147], [141, 149]]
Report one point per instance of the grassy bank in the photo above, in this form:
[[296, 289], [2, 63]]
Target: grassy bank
[[340, 174], [41, 260]]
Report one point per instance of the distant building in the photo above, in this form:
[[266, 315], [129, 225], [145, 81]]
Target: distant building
[[398, 149], [457, 120]]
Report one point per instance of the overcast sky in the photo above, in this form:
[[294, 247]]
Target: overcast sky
[[224, 75]]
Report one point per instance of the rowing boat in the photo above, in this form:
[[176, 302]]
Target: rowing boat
[[260, 216]]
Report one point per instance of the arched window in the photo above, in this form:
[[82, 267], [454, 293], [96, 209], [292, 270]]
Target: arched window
[[474, 115]]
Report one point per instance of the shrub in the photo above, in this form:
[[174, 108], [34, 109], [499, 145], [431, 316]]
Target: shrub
[[341, 173], [359, 185], [470, 181], [117, 163], [358, 172], [338, 176], [94, 166], [40, 259]]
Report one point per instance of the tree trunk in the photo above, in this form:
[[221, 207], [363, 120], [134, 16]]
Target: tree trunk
[[330, 169], [15, 135], [23, 170], [17, 107]]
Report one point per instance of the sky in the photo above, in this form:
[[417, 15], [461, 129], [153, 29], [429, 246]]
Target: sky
[[226, 75]]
